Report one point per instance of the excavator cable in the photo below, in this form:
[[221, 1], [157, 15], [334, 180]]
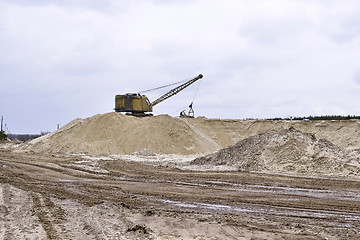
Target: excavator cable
[[191, 110], [178, 110], [168, 85], [197, 88], [176, 90]]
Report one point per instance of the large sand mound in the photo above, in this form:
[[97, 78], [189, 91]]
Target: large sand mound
[[115, 133], [286, 151]]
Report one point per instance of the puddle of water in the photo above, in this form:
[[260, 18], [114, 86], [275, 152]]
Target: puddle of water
[[188, 183], [316, 193], [278, 211], [288, 199], [179, 204], [206, 206], [224, 207], [76, 180]]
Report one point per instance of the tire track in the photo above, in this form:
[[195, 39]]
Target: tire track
[[50, 216], [3, 213], [238, 198]]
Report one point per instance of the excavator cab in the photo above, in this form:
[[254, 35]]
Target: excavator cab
[[132, 103]]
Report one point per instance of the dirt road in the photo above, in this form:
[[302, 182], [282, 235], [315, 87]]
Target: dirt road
[[46, 197]]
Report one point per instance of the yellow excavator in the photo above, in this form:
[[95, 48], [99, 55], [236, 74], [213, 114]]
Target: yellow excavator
[[139, 105]]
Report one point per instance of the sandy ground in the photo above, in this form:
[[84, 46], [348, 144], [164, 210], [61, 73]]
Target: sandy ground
[[114, 133], [134, 197]]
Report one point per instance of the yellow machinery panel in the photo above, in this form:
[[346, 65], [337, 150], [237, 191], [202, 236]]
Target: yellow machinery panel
[[132, 102]]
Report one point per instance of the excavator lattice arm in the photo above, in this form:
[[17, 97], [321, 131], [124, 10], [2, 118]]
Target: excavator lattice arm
[[174, 91]]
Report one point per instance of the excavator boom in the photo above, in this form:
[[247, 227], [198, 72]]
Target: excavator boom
[[174, 91]]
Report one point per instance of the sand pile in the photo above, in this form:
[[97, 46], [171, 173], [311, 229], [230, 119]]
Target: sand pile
[[287, 151], [115, 133], [226, 132]]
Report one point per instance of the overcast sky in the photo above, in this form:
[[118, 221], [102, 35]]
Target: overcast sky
[[67, 59]]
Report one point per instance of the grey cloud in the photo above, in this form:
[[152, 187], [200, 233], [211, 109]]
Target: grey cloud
[[344, 31], [357, 77], [270, 30], [172, 2], [95, 5]]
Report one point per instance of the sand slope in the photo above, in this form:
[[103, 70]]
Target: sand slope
[[287, 151]]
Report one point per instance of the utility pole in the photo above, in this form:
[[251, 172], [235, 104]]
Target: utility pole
[[2, 133]]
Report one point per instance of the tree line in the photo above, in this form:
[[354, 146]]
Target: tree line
[[325, 117]]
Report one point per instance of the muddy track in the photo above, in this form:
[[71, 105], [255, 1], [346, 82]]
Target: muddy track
[[281, 205], [50, 216]]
